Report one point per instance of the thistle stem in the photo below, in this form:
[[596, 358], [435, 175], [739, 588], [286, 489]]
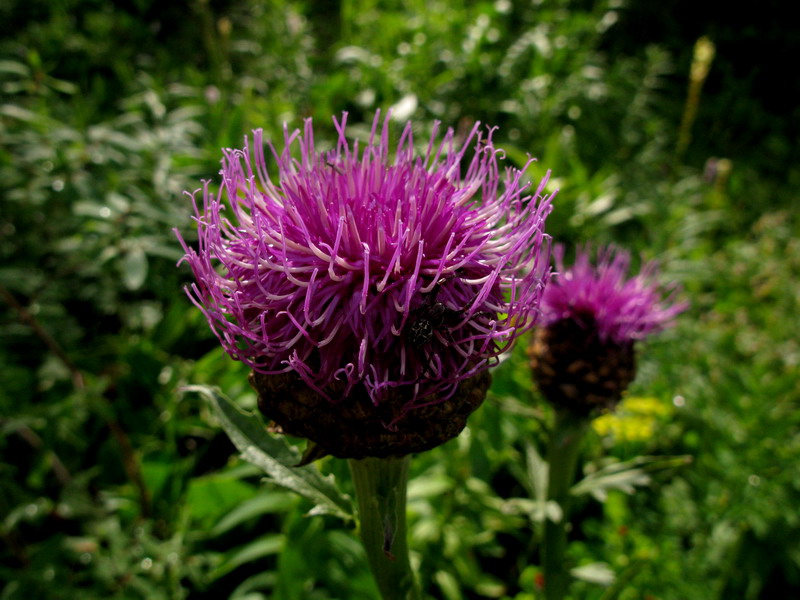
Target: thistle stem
[[562, 457], [381, 485]]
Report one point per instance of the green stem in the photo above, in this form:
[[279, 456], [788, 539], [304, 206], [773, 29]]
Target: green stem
[[562, 458], [381, 494]]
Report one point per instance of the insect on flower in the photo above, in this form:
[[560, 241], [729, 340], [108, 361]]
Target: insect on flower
[[433, 316]]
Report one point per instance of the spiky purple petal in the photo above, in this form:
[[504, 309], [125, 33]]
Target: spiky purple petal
[[622, 309], [321, 266]]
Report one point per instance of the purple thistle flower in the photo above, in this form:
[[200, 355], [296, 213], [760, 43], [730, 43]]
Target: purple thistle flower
[[371, 267], [583, 357], [602, 296]]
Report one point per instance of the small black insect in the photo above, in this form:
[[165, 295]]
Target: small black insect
[[432, 316]]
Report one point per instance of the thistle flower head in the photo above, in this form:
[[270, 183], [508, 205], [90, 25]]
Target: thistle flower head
[[370, 266], [583, 355], [622, 309]]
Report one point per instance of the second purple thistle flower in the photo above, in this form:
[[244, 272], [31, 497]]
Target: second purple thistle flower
[[368, 266], [594, 312]]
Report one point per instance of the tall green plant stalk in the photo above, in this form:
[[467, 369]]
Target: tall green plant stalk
[[381, 485], [562, 457]]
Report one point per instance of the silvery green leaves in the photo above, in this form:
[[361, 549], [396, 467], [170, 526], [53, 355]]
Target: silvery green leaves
[[598, 481], [275, 456], [536, 507], [624, 476]]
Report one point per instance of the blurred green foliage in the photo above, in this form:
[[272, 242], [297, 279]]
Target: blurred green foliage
[[116, 484]]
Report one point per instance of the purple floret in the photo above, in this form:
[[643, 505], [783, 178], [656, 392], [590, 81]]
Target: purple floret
[[622, 309], [323, 265]]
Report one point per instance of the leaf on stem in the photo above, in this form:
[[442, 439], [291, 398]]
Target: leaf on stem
[[275, 456]]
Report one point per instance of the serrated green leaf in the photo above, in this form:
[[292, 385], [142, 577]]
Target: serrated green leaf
[[599, 485], [275, 456]]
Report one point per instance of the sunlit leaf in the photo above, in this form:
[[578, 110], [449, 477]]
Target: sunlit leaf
[[134, 268], [448, 585], [14, 67], [598, 572]]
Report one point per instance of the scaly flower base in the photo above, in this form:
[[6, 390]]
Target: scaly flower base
[[354, 427], [575, 370]]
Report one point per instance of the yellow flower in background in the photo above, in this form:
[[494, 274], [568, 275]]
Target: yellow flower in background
[[634, 420]]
